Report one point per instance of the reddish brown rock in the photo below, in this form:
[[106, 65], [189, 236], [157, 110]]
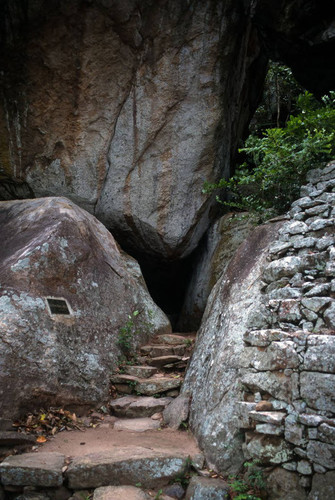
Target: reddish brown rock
[[264, 406], [125, 106]]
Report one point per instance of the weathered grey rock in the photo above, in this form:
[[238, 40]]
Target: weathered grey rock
[[203, 488], [310, 420], [285, 293], [156, 350], [54, 249], [330, 269], [321, 289], [319, 224], [304, 242], [138, 406], [140, 371], [322, 210], [243, 408], [171, 339], [323, 486], [33, 469], [304, 467], [147, 386], [277, 384], [289, 310], [165, 360], [318, 390], [269, 417], [177, 412], [125, 466], [325, 241], [263, 338], [320, 354], [282, 484], [267, 449], [174, 491], [155, 386], [277, 356], [321, 453], [329, 316], [315, 304], [137, 424], [213, 377], [272, 430], [326, 433], [304, 202], [294, 431], [119, 493], [279, 248], [309, 315], [285, 267], [294, 227]]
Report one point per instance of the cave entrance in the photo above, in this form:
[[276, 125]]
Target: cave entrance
[[167, 282]]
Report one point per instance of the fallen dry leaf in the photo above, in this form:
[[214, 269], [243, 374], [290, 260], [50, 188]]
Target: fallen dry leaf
[[41, 439]]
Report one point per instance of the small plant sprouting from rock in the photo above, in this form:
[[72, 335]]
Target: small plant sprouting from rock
[[250, 486], [133, 327]]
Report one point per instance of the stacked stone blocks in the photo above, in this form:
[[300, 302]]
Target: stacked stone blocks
[[288, 366]]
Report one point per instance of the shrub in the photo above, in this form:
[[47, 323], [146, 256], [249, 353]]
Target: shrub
[[279, 160]]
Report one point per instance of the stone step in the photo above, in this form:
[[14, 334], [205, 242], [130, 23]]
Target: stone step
[[137, 424], [126, 466], [32, 469], [149, 387], [120, 493], [138, 406], [172, 339], [140, 371], [12, 438], [162, 361], [157, 350]]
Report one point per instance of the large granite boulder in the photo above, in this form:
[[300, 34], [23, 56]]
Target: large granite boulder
[[126, 107], [65, 291], [215, 373]]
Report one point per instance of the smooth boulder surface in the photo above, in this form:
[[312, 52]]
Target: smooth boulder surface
[[52, 249]]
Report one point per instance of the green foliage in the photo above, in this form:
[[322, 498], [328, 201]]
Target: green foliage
[[130, 330], [159, 494], [281, 91], [279, 160], [248, 487]]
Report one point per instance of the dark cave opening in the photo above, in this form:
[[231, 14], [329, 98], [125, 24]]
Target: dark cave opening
[[167, 282]]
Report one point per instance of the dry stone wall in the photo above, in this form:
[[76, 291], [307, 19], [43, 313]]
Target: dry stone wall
[[263, 373], [292, 424]]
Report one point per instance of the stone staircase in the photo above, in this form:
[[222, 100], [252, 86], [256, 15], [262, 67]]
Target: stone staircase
[[133, 465], [147, 388]]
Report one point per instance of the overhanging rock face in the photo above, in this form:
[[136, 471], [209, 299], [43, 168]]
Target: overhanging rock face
[[127, 107], [65, 291]]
